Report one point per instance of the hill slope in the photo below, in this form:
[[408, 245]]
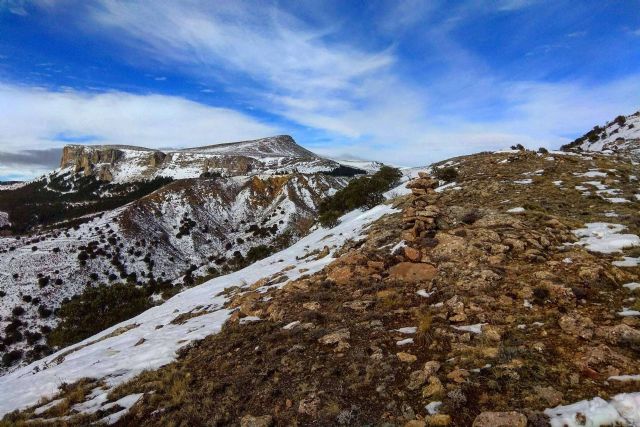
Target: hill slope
[[621, 134], [514, 288], [71, 230]]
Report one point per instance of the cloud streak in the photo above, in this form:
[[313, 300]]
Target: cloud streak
[[35, 118], [307, 72]]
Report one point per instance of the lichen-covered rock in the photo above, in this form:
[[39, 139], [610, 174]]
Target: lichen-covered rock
[[500, 419]]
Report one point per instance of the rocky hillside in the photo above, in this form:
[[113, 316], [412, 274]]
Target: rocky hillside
[[507, 296], [279, 154], [621, 134], [72, 230]]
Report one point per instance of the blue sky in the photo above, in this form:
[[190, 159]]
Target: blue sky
[[406, 83]]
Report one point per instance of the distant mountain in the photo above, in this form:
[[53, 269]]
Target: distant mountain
[[623, 133], [161, 220], [119, 163]]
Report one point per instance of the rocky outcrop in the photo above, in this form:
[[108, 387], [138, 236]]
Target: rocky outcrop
[[122, 163], [91, 161]]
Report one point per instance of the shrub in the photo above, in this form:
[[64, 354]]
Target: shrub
[[360, 192], [471, 216], [620, 120], [543, 150], [43, 311], [96, 309], [43, 281], [447, 174], [257, 253], [347, 171], [11, 357]]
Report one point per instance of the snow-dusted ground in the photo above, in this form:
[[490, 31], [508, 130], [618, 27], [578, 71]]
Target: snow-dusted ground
[[150, 340], [365, 165]]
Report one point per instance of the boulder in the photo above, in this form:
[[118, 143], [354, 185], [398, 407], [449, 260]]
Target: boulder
[[251, 421], [412, 272], [500, 419]]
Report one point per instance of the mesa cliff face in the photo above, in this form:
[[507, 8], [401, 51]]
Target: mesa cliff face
[[279, 154]]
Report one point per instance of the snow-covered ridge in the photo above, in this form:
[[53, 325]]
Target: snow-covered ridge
[[619, 134], [151, 340], [273, 155]]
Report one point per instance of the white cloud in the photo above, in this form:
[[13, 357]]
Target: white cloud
[[356, 97], [32, 118]]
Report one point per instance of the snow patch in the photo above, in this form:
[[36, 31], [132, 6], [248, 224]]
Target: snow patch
[[604, 237], [475, 329], [623, 409]]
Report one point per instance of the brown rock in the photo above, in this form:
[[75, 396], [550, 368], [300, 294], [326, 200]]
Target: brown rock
[[577, 325], [500, 419], [412, 272], [312, 305], [251, 421], [458, 375], [412, 254], [309, 406], [406, 357], [549, 395], [340, 275], [433, 389], [438, 420], [335, 337], [431, 367]]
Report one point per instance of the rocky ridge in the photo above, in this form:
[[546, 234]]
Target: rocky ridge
[[119, 163]]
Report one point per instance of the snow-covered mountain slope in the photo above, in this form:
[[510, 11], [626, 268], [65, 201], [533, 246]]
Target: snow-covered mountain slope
[[366, 165], [151, 339], [155, 219], [279, 154], [621, 134], [209, 224]]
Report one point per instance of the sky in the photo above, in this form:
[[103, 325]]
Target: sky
[[403, 82]]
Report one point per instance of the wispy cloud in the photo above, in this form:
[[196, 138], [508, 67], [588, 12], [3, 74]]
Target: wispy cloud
[[35, 119], [313, 74]]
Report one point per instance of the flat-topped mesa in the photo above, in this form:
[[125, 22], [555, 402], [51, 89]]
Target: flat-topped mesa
[[123, 163]]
